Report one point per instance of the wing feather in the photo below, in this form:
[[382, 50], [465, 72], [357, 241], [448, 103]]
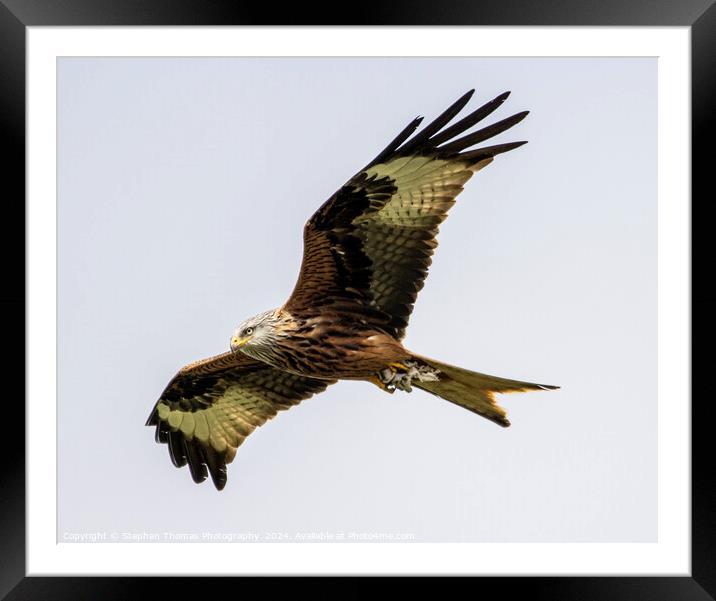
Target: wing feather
[[368, 248], [211, 406]]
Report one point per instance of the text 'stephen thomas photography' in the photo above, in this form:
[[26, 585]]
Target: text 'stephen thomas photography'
[[451, 264]]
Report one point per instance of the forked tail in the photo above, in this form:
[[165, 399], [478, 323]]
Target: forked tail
[[471, 390]]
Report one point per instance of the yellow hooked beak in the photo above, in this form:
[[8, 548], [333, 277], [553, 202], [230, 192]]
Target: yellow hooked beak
[[237, 343]]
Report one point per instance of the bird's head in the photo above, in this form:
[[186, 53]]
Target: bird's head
[[256, 333]]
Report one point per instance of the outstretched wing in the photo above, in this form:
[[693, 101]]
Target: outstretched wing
[[368, 248], [211, 406]]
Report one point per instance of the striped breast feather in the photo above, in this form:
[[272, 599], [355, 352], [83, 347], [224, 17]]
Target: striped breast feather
[[211, 406]]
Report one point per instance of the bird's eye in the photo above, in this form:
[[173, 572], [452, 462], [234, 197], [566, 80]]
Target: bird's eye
[[248, 331]]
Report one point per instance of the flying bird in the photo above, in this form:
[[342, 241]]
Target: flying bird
[[366, 255]]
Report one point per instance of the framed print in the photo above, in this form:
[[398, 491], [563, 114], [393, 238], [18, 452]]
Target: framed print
[[169, 172]]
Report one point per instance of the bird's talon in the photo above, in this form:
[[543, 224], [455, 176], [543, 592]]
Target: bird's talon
[[378, 381], [392, 379]]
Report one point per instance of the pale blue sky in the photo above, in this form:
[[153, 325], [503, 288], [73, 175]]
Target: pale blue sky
[[183, 188]]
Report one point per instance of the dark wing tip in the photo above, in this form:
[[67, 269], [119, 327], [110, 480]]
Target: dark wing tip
[[203, 460], [160, 435], [467, 122], [153, 418], [458, 145], [442, 140], [549, 386], [465, 98], [175, 442], [216, 462], [196, 461], [397, 141], [421, 139], [474, 156]]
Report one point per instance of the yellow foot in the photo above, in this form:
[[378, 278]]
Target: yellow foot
[[379, 383], [398, 366]]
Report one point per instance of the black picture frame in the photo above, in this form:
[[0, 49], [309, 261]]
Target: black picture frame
[[17, 15]]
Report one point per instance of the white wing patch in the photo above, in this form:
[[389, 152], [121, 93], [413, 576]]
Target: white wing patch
[[225, 424], [426, 189]]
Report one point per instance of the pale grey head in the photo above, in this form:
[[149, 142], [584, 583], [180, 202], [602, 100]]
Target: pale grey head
[[257, 335]]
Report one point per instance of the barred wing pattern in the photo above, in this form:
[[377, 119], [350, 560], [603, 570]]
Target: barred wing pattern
[[368, 248], [211, 406]]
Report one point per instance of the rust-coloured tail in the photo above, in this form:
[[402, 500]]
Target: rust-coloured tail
[[471, 390]]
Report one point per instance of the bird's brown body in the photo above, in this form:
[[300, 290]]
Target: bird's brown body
[[367, 251], [331, 345]]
